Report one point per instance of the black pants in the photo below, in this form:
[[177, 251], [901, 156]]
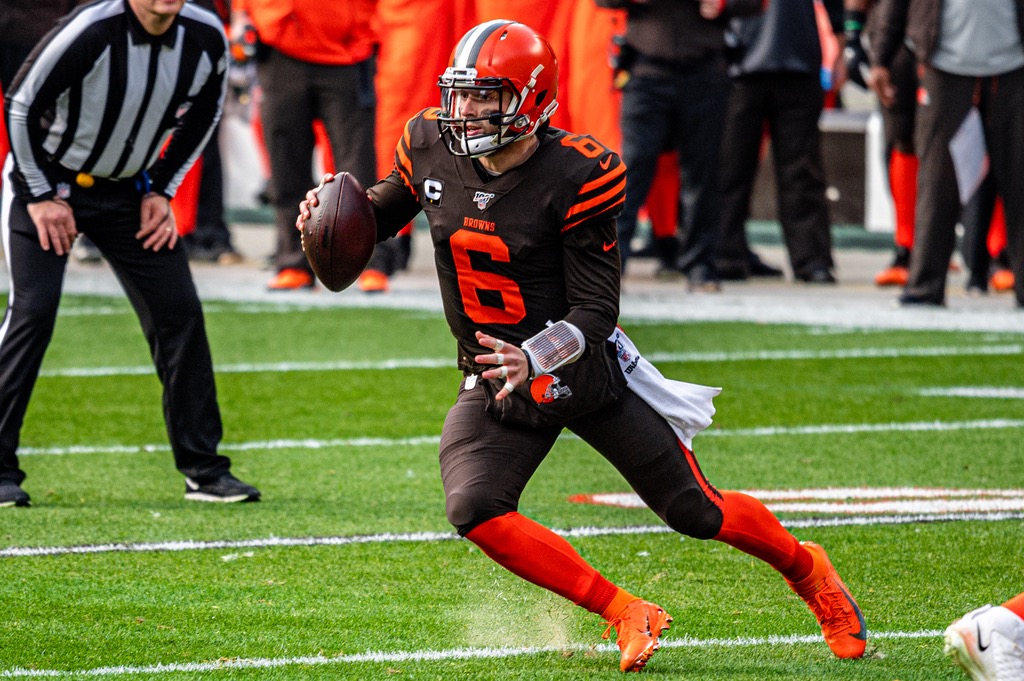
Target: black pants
[[789, 104], [949, 97], [295, 93], [683, 111], [160, 288]]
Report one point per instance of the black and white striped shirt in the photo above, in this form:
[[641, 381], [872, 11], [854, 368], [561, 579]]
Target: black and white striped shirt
[[99, 95]]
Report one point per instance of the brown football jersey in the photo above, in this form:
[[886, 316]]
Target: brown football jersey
[[516, 251]]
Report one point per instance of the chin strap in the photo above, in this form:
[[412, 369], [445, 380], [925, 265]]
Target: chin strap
[[557, 345]]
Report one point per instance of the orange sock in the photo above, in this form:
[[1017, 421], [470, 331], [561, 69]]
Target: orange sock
[[903, 184], [1016, 605], [749, 526], [538, 555], [621, 600]]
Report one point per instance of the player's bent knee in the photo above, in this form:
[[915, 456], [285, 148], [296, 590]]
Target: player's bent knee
[[466, 510], [693, 514]]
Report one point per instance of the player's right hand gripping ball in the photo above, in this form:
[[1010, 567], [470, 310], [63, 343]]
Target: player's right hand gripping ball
[[339, 236]]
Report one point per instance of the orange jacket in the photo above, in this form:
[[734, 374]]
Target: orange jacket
[[334, 32]]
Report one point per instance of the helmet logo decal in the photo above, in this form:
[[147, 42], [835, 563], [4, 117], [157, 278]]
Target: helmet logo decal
[[547, 388]]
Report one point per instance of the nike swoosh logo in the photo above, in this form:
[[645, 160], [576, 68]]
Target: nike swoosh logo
[[862, 634], [608, 247], [981, 646], [605, 162]]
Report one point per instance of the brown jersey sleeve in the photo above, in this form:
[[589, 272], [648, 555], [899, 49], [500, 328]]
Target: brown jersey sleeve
[[395, 200], [394, 205], [602, 195], [592, 276]]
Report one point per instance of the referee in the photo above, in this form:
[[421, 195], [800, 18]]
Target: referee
[[88, 117]]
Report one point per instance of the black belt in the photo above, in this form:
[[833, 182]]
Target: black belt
[[81, 180]]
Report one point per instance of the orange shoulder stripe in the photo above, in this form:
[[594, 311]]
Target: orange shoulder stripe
[[619, 169], [609, 195]]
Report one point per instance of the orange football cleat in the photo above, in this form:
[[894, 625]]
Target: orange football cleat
[[892, 276], [637, 628], [290, 279], [1002, 280], [373, 281], [828, 598]]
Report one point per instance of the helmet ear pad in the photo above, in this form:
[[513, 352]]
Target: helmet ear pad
[[517, 58]]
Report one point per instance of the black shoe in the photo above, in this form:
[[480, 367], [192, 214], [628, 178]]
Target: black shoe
[[227, 489], [12, 495], [759, 268], [817, 275], [731, 270], [701, 279], [910, 300]]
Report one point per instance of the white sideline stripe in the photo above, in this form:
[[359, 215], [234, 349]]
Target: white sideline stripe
[[376, 657], [979, 391], [576, 533], [437, 362], [309, 443]]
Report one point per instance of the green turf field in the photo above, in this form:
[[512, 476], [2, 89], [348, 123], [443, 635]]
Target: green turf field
[[348, 568]]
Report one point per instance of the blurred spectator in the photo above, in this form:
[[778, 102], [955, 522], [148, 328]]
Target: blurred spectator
[[205, 232], [971, 55], [409, 63], [897, 123], [674, 96], [984, 242], [200, 213], [981, 246], [315, 60], [776, 68]]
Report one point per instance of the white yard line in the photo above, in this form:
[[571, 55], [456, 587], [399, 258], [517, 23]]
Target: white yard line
[[681, 357], [763, 431], [412, 656], [419, 537], [986, 391]]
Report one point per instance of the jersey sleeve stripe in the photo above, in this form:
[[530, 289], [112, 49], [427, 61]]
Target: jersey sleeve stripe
[[605, 209], [612, 196], [619, 169]]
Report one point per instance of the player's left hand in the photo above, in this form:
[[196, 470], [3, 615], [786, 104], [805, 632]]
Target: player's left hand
[[511, 362], [157, 227]]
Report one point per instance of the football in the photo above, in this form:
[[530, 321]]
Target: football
[[339, 236]]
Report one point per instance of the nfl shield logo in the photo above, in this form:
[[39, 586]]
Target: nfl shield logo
[[482, 199]]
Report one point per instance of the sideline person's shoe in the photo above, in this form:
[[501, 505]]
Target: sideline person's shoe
[[291, 279], [702, 279], [637, 628], [373, 281], [817, 275], [12, 495], [894, 275], [1002, 280], [225, 489], [988, 644], [828, 598], [759, 268], [910, 300]]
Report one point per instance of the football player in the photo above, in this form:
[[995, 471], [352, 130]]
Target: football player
[[522, 218]]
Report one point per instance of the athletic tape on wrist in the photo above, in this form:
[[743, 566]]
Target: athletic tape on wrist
[[557, 345]]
